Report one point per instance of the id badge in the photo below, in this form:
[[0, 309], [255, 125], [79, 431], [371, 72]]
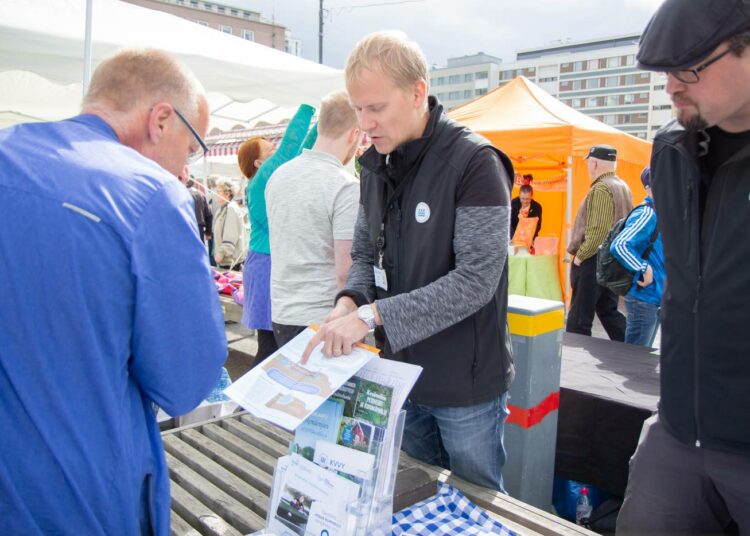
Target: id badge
[[381, 281]]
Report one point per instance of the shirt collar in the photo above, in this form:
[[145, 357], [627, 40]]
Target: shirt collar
[[407, 154], [322, 156], [603, 176]]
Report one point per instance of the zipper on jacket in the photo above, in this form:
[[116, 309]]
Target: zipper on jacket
[[694, 201], [396, 208], [698, 226]]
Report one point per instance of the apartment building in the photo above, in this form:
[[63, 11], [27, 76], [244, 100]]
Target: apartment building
[[598, 78], [229, 19], [465, 78]]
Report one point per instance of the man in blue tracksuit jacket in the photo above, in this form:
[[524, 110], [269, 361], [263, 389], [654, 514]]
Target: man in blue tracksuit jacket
[[643, 299]]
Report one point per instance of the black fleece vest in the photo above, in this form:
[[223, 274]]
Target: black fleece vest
[[469, 362]]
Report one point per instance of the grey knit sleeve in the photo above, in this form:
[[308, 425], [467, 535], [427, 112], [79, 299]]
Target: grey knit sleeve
[[480, 244]]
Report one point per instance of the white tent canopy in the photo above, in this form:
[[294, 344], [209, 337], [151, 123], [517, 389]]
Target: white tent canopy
[[46, 37]]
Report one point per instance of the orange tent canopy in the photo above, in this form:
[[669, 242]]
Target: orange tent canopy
[[548, 139]]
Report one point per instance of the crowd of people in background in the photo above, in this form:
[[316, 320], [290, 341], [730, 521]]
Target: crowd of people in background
[[122, 313]]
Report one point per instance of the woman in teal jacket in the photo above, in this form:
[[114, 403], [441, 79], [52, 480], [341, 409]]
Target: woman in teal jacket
[[258, 160]]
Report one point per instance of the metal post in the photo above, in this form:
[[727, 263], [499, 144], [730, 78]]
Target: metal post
[[320, 34], [531, 428], [568, 224], [87, 48]]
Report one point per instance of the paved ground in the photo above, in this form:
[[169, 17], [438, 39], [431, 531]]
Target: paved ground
[[243, 345]]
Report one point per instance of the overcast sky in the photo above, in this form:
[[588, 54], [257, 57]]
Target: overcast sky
[[448, 28]]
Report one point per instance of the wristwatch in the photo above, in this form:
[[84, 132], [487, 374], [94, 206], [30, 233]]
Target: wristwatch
[[366, 315]]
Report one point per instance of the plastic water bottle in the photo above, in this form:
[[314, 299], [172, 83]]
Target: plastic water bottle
[[583, 508]]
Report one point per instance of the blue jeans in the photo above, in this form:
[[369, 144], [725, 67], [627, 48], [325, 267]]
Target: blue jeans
[[466, 440], [643, 319]]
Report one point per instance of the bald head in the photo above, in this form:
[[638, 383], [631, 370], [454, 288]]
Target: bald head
[[137, 92], [134, 77]]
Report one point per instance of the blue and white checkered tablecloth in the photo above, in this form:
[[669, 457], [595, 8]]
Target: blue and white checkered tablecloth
[[447, 513]]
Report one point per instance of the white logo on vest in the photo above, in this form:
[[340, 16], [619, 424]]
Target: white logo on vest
[[422, 214]]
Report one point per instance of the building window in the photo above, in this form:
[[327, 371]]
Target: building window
[[202, 22], [628, 80], [577, 103], [193, 3], [659, 87], [613, 62], [454, 79], [246, 14], [441, 96], [468, 93], [591, 102], [221, 9], [592, 83], [440, 80], [235, 12], [643, 96], [180, 2], [548, 79], [578, 66], [482, 76], [613, 100], [610, 81], [609, 119], [248, 34], [662, 107], [592, 65], [454, 95], [629, 59], [629, 98], [507, 75], [225, 29], [469, 77], [578, 84], [480, 91], [207, 6], [655, 127]]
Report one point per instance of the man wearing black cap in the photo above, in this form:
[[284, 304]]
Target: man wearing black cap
[[691, 470], [608, 200]]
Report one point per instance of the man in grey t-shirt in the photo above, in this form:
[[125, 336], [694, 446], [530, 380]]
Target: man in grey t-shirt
[[312, 204]]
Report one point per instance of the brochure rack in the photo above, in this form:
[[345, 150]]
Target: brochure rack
[[370, 513]]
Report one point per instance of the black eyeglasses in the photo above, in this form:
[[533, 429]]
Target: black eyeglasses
[[690, 76], [195, 155]]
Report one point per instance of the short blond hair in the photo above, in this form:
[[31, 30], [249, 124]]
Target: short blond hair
[[138, 76], [337, 115], [391, 53]]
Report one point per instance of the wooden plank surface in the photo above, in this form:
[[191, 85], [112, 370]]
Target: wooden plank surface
[[221, 475]]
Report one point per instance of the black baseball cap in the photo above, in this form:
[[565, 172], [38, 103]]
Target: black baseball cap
[[682, 33], [602, 152]]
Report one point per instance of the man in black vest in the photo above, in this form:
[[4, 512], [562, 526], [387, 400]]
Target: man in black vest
[[691, 471], [429, 261]]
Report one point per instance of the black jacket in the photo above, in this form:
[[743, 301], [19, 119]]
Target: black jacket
[[705, 350], [535, 211], [469, 362]]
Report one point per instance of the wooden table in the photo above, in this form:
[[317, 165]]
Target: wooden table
[[232, 311], [221, 473]]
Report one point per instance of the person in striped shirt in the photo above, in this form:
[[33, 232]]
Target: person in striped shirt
[[643, 299], [607, 201]]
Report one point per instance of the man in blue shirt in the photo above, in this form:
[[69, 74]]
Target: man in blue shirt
[[643, 299], [107, 304]]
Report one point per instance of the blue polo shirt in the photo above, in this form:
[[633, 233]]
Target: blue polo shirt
[[107, 305]]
